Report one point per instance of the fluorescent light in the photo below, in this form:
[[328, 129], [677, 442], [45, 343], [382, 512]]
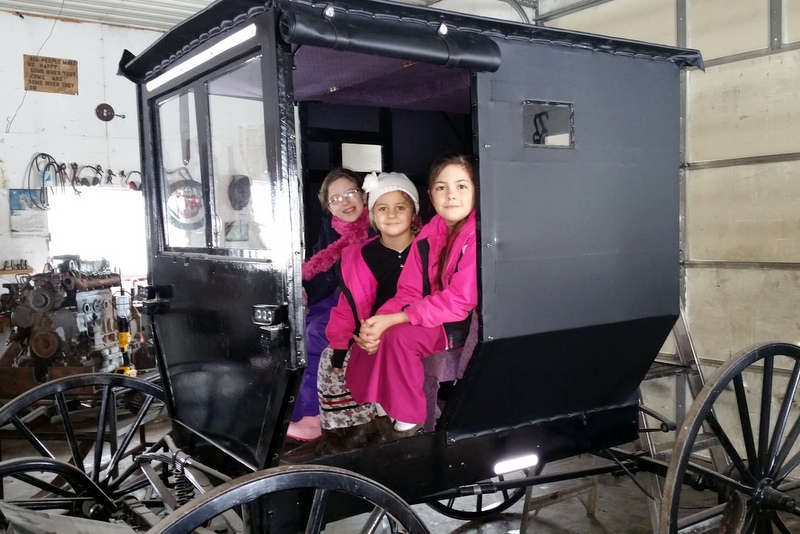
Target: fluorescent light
[[515, 464], [226, 44]]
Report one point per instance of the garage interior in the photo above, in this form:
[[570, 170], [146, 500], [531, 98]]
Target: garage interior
[[739, 155]]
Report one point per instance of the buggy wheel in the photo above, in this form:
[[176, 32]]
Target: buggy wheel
[[484, 504], [326, 483], [84, 420], [78, 495], [756, 491]]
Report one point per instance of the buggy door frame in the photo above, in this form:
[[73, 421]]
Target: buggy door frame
[[220, 52]]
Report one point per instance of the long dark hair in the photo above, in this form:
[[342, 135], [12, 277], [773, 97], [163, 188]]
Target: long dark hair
[[438, 165]]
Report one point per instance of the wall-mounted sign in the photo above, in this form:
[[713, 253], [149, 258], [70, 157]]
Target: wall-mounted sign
[[51, 75]]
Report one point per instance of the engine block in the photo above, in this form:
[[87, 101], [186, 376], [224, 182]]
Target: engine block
[[63, 322]]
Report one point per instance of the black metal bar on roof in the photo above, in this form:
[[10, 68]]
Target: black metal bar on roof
[[378, 36], [225, 14]]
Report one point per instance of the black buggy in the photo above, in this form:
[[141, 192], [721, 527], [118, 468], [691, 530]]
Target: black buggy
[[243, 108]]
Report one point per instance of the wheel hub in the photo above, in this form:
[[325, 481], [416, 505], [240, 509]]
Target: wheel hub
[[766, 497]]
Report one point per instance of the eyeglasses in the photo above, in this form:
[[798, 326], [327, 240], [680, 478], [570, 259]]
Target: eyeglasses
[[348, 195]]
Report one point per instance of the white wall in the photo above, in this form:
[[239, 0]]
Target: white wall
[[641, 20], [741, 239], [64, 126]]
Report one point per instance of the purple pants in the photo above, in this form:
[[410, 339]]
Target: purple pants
[[316, 320]]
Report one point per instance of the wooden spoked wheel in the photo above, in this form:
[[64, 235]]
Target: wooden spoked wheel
[[73, 441], [326, 487], [749, 405]]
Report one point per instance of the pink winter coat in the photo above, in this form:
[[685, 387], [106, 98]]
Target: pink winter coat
[[362, 285], [459, 294]]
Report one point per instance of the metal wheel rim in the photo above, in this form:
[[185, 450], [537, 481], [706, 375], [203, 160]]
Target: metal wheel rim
[[448, 509], [103, 489], [249, 487], [768, 450]]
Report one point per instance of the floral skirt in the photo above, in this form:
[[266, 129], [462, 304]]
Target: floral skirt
[[337, 407]]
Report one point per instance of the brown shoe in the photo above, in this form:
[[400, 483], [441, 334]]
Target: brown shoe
[[359, 436], [340, 440], [384, 427], [388, 433], [413, 431], [330, 442]]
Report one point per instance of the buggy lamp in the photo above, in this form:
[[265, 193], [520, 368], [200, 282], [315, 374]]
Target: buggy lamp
[[226, 44], [263, 315], [267, 314], [515, 464]]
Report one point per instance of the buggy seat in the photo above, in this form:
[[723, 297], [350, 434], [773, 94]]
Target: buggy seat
[[446, 366]]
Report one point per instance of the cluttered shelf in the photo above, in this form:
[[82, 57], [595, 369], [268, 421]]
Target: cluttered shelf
[[4, 272]]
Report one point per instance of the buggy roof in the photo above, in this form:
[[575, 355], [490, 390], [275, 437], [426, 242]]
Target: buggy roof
[[400, 19]]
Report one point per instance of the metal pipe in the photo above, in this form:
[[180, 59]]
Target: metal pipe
[[734, 58], [569, 9], [776, 17], [748, 160], [520, 11], [725, 264], [83, 283]]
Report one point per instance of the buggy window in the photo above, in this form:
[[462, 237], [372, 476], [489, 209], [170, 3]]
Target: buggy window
[[547, 124], [216, 191], [181, 189], [239, 158]]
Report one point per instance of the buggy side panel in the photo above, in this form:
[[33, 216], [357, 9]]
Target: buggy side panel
[[579, 232], [518, 381], [586, 235]]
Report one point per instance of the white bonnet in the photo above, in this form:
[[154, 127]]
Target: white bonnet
[[386, 182]]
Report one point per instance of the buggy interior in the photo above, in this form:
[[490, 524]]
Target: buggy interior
[[408, 112], [413, 111]]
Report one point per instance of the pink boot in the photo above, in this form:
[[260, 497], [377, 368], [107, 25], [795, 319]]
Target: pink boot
[[305, 429]]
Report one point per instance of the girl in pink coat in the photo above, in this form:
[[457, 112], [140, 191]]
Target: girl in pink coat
[[436, 293], [368, 278], [345, 223]]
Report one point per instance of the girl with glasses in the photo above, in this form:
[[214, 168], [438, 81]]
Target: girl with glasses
[[348, 223]]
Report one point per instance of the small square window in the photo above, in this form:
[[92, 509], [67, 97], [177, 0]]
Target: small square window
[[547, 124]]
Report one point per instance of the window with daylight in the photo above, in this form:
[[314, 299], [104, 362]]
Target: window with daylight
[[101, 222]]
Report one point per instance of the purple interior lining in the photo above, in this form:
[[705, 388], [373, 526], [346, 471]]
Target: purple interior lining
[[336, 77]]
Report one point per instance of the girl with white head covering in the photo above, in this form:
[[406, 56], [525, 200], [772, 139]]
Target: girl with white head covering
[[369, 273]]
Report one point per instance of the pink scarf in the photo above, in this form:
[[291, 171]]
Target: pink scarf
[[351, 233]]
